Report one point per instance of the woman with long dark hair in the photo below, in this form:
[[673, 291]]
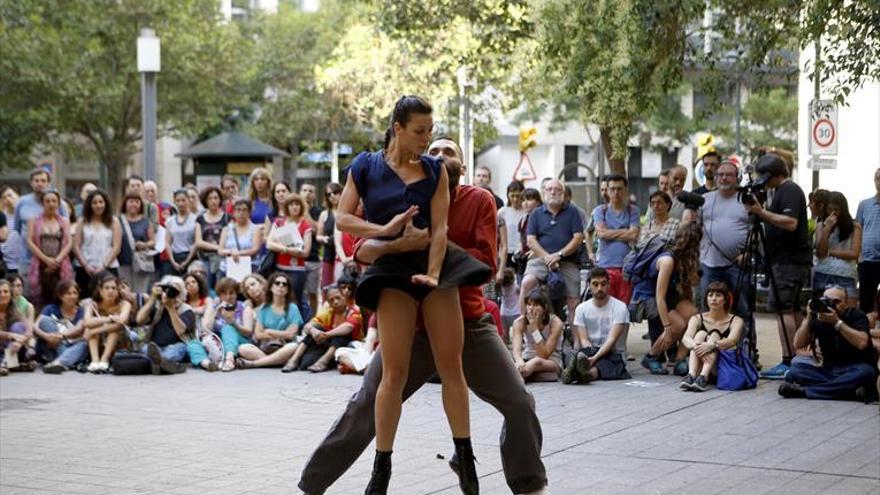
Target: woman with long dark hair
[[838, 245], [139, 237], [291, 238], [276, 325], [13, 332], [98, 239], [537, 338], [280, 190], [331, 267], [399, 185], [669, 285], [50, 242], [105, 321], [509, 218], [180, 237], [209, 226]]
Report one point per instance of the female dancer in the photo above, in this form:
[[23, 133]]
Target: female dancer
[[399, 186]]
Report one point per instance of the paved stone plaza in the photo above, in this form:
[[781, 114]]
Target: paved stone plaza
[[251, 432]]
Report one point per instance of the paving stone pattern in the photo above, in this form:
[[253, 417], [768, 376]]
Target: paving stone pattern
[[251, 431]]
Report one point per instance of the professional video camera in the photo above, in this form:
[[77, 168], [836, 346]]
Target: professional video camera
[[752, 191]]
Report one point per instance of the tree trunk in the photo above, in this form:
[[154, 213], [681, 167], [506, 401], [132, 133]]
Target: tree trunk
[[616, 165]]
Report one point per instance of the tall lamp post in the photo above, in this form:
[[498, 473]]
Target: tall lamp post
[[148, 63]]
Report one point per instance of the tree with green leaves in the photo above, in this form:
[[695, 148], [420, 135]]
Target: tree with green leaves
[[69, 72]]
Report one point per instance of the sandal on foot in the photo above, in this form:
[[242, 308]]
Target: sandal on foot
[[319, 367], [243, 363], [290, 365], [228, 365]]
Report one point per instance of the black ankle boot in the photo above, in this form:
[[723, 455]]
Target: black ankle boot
[[467, 472], [381, 474]]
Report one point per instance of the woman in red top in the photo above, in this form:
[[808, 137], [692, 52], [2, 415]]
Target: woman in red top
[[291, 238], [197, 293]]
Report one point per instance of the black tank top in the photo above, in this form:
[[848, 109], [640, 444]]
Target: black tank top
[[329, 229]]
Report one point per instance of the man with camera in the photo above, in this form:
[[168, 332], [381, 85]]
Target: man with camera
[[170, 323], [786, 248], [841, 344]]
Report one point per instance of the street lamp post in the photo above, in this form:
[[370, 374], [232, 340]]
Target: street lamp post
[[148, 63]]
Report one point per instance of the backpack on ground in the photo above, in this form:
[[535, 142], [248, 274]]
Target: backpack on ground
[[130, 363], [638, 261]]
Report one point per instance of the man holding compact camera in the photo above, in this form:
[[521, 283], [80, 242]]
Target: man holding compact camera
[[170, 323], [841, 344], [786, 248]]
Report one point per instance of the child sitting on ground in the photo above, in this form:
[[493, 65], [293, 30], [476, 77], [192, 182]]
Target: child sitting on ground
[[335, 325]]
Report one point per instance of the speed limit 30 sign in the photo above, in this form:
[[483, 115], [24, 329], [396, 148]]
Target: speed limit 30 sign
[[823, 127]]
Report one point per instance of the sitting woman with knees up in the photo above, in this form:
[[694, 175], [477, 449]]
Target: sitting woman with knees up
[[708, 333], [537, 340], [277, 323], [334, 327], [13, 333], [105, 320], [231, 319]]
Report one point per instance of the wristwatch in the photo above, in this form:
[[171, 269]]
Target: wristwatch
[[838, 325], [560, 254]]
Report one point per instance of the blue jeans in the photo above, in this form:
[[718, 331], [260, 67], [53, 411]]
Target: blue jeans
[[175, 353], [67, 354], [830, 382]]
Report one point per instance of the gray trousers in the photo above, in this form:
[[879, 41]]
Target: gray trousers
[[488, 368]]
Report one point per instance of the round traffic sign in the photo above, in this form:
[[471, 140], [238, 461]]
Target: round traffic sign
[[823, 133]]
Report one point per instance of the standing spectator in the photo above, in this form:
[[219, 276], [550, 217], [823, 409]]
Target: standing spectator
[[669, 284], [332, 328], [280, 190], [171, 323], [326, 235], [29, 207], [509, 302], [838, 245], [509, 218], [661, 223], [60, 329], [84, 191], [230, 318], [531, 201], [241, 237], [49, 241], [483, 178], [554, 234], [230, 187], [97, 241], [818, 202], [705, 338], [600, 324], [151, 196], [193, 200], [291, 238], [260, 195], [617, 226], [726, 226], [180, 236], [677, 178], [313, 260], [787, 251], [868, 216], [139, 236], [105, 320], [537, 338], [591, 242], [711, 160], [12, 245], [277, 323], [841, 335], [664, 182], [13, 334], [135, 184], [209, 227]]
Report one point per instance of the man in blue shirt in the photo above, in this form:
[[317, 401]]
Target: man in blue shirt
[[868, 216], [554, 234], [617, 226], [30, 207]]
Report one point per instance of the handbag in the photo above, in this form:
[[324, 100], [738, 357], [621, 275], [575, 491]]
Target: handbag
[[141, 261], [267, 265], [645, 309], [556, 285], [735, 372]]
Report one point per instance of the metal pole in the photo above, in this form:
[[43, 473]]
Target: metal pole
[[148, 101], [464, 124], [817, 85], [738, 117]]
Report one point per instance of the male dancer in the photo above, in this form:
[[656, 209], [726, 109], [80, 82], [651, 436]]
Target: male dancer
[[488, 367]]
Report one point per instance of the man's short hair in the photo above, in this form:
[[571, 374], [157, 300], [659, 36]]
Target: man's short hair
[[617, 178], [488, 171], [37, 171], [714, 153], [665, 172], [599, 272], [306, 182]]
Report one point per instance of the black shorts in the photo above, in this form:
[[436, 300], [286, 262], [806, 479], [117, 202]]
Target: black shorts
[[610, 367], [788, 280]]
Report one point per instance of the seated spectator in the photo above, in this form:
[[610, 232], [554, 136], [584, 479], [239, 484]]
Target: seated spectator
[[600, 324], [347, 282], [21, 303], [197, 293], [60, 331], [709, 332], [668, 290], [357, 356], [846, 359], [230, 318], [277, 322], [838, 245], [537, 339], [13, 334], [254, 289], [334, 327], [875, 334], [104, 321], [171, 323]]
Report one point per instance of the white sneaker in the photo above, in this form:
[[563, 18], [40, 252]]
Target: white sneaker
[[103, 366], [93, 367]]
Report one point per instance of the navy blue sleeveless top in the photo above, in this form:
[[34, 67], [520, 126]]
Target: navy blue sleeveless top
[[385, 195]]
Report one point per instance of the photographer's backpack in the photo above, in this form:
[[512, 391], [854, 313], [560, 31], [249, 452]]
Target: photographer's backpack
[[637, 263]]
